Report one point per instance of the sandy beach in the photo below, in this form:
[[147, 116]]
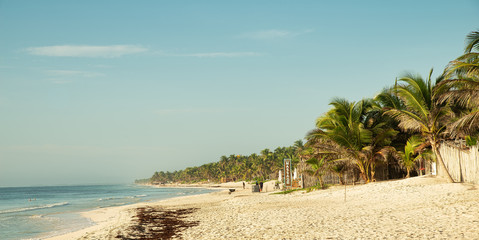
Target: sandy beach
[[415, 208]]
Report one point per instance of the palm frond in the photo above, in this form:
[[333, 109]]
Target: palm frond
[[472, 42], [466, 66], [463, 92], [408, 121], [414, 101], [467, 124], [388, 99]]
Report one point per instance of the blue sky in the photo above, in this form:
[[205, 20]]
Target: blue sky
[[111, 91]]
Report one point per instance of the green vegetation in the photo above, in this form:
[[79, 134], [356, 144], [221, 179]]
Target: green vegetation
[[415, 115], [318, 168], [316, 187], [353, 131], [471, 141], [422, 114], [142, 181], [407, 157], [309, 189], [235, 167], [288, 191]]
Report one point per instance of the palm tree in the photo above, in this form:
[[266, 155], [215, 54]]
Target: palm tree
[[407, 157], [422, 114], [382, 136], [265, 153], [338, 169], [354, 131], [341, 131], [298, 147], [319, 168], [461, 88], [386, 100]]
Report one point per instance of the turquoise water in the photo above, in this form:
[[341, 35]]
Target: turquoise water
[[38, 212]]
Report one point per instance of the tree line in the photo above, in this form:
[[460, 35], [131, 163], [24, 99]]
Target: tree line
[[261, 166]]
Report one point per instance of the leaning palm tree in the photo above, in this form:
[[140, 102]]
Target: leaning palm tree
[[422, 114]]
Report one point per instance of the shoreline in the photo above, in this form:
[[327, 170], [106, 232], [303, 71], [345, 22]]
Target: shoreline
[[103, 217], [420, 207], [200, 185]]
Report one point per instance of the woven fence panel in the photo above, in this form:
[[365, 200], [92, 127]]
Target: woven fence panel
[[461, 162]]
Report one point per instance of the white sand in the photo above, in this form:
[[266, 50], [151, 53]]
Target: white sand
[[415, 208]]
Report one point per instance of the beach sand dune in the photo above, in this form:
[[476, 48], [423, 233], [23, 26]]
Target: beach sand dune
[[415, 208]]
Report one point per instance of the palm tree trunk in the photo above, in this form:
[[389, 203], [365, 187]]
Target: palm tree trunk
[[321, 181], [362, 174], [441, 162], [373, 171], [363, 171]]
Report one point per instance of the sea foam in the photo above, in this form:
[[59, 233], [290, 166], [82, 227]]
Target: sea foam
[[14, 210]]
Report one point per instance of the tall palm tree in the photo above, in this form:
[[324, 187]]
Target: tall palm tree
[[355, 131], [341, 131], [382, 136], [422, 114]]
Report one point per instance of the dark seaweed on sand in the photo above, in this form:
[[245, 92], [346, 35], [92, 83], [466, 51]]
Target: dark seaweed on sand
[[157, 223]]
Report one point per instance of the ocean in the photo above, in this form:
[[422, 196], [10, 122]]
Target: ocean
[[39, 212]]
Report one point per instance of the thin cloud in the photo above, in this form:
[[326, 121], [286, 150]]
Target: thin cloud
[[68, 76], [186, 111], [59, 81], [71, 73], [221, 54], [211, 54], [110, 51], [273, 34]]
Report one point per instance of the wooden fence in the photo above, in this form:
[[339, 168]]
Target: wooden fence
[[462, 162]]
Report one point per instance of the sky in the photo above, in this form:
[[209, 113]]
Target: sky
[[100, 92]]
